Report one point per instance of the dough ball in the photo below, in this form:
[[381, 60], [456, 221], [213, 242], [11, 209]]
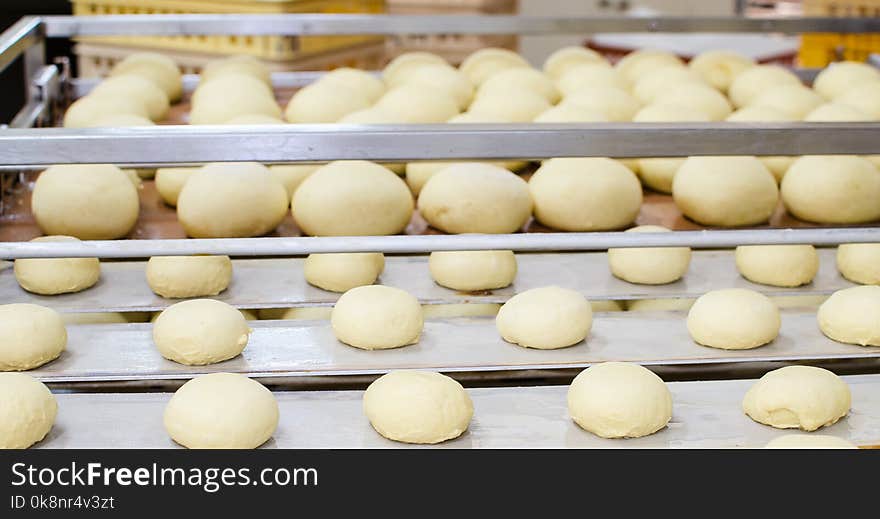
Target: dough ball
[[158, 68], [720, 67], [756, 80], [794, 397], [189, 276], [418, 104], [520, 78], [809, 441], [27, 410], [444, 78], [733, 319], [325, 103], [50, 276], [565, 59], [371, 115], [616, 104], [418, 407], [654, 305], [649, 265], [699, 97], [352, 198], [121, 121], [231, 200], [251, 119], [657, 174], [585, 194], [833, 112], [607, 306], [397, 71], [240, 64], [87, 201], [832, 189], [475, 198], [292, 175], [545, 318], [793, 99], [376, 317], [852, 315], [341, 272], [859, 262], [229, 85], [221, 411], [865, 97], [636, 64], [358, 79], [200, 331], [619, 400], [777, 265], [570, 113], [137, 87], [473, 270], [839, 77], [484, 63], [85, 111], [661, 80], [170, 181], [725, 191], [94, 318], [516, 105], [589, 75], [30, 336], [753, 113], [312, 313], [232, 95], [446, 311]]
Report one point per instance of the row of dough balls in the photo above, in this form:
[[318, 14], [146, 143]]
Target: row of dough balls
[[610, 400]]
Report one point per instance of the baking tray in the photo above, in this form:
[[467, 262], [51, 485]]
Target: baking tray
[[123, 352], [271, 283], [705, 415]]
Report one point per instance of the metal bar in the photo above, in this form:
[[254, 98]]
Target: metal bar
[[21, 36], [28, 116], [339, 24], [299, 246]]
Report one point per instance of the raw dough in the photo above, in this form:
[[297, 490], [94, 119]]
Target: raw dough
[[832, 112], [240, 64], [85, 111], [137, 87], [832, 189], [221, 411], [733, 319], [477, 198], [865, 97], [50, 276], [619, 400], [590, 74], [859, 262], [324, 103], [545, 318], [756, 80], [292, 175], [657, 174], [570, 113], [777, 165], [418, 407], [565, 59], [157, 68], [585, 194], [839, 77], [87, 201], [636, 64], [418, 104], [94, 318], [652, 305], [517, 104], [200, 331], [360, 80], [852, 315], [30, 336], [189, 276], [232, 95], [699, 97], [809, 441], [720, 67], [27, 410], [341, 272], [725, 191], [473, 270], [482, 64], [352, 198], [377, 317], [233, 85], [121, 121], [616, 104], [503, 82], [231, 200], [607, 305], [445, 78], [649, 265], [446, 311], [661, 80], [802, 397], [778, 265], [170, 181], [794, 99], [398, 70]]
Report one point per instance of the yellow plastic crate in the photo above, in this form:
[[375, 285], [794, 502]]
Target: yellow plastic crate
[[820, 49], [276, 48]]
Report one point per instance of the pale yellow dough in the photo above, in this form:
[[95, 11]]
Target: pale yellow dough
[[615, 103], [859, 262], [778, 265], [798, 397], [473, 270], [563, 60], [636, 64], [752, 113], [418, 104], [156, 67], [137, 87], [343, 271], [756, 80], [720, 67], [324, 103], [794, 99], [399, 69], [446, 311], [503, 82], [377, 317], [30, 336], [232, 95], [482, 64], [659, 81], [189, 276], [170, 181], [292, 175], [440, 76], [240, 64], [852, 315], [839, 77], [50, 276], [85, 111], [657, 174], [27, 411], [832, 189], [649, 265], [733, 319], [200, 331], [517, 104], [545, 318], [590, 74], [809, 441]]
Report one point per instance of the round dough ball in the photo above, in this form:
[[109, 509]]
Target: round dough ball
[[833, 112], [325, 103], [85, 111], [616, 104], [418, 104], [121, 121], [398, 70], [30, 336], [418, 173], [839, 77], [232, 95], [725, 191], [358, 79], [639, 63], [852, 315], [341, 272], [475, 198], [240, 64], [657, 174], [444, 78], [221, 411], [484, 63], [231, 200], [565, 59], [794, 397], [170, 181], [50, 276], [27, 410], [545, 318], [87, 201], [653, 305], [447, 311], [619, 400], [699, 97], [777, 265], [809, 441], [720, 67], [832, 189], [585, 194], [865, 97], [859, 262], [649, 265], [200, 331], [793, 99], [733, 319], [530, 79], [158, 68], [570, 113], [251, 119], [661, 80], [588, 75], [516, 105], [418, 407], [756, 80], [376, 317], [137, 87], [753, 113], [352, 198], [292, 175], [189, 276], [473, 270]]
